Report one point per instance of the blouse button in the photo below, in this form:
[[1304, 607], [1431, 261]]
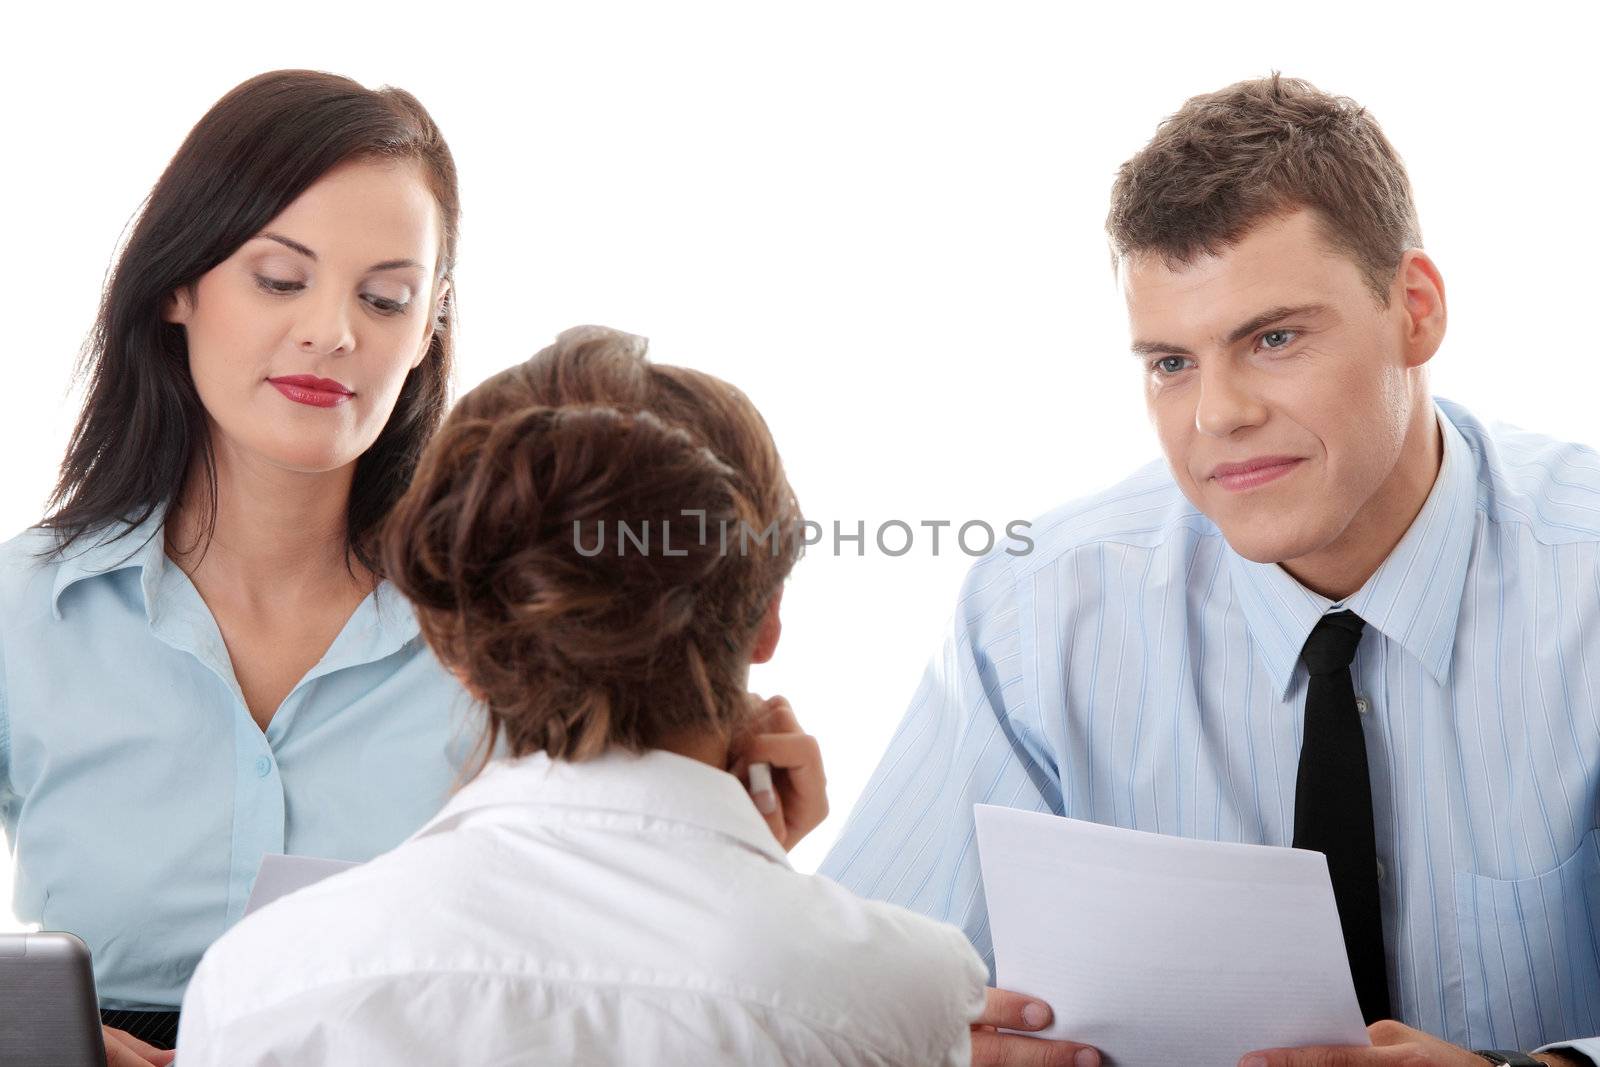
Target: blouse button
[[263, 767], [1361, 705]]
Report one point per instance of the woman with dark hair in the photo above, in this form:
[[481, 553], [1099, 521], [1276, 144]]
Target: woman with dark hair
[[200, 659], [596, 545]]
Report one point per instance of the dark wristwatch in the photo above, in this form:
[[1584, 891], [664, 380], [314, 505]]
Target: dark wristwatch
[[1515, 1059]]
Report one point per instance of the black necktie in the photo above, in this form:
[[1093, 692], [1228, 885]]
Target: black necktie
[[1333, 803]]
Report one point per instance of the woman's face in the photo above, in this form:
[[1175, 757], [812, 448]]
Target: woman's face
[[299, 342]]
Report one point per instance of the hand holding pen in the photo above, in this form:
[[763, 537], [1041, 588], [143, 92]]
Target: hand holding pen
[[782, 765]]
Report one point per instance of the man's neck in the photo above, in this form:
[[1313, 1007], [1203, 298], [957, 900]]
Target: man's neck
[[1343, 567], [279, 536]]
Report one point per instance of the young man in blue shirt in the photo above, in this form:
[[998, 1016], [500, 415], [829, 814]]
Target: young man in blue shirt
[[1340, 615]]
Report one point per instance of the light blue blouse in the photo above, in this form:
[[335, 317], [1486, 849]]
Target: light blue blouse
[[137, 792]]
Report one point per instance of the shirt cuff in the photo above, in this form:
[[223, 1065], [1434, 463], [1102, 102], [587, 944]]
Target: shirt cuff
[[1586, 1050]]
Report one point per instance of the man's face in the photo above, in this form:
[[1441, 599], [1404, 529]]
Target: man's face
[[1279, 388]]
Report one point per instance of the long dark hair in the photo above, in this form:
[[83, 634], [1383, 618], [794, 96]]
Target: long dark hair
[[258, 148]]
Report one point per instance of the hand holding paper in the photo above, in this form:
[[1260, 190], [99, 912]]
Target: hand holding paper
[[1160, 950]]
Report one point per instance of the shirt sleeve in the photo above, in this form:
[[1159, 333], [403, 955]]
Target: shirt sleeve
[[1587, 1048], [200, 1025], [195, 1041], [968, 1012], [969, 737], [5, 746]]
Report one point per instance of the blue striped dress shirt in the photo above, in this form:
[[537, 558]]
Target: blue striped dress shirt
[[1133, 670]]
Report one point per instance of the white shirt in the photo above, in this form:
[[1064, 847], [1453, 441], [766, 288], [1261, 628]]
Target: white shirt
[[630, 909]]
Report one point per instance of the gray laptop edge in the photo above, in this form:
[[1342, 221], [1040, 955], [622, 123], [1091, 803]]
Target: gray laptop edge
[[49, 1016]]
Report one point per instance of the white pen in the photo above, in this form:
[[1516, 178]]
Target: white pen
[[761, 788]]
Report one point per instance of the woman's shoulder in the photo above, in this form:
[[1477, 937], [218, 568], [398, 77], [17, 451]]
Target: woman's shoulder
[[920, 976], [26, 559], [33, 546], [38, 563], [902, 939]]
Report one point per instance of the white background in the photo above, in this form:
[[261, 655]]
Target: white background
[[883, 222]]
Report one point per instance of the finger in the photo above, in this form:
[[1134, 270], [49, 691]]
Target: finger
[[143, 1048], [758, 776], [120, 1052], [802, 787], [1323, 1056], [1001, 1007], [1015, 1050], [796, 761], [798, 754], [754, 724], [776, 822], [765, 796], [779, 717], [1393, 1032]]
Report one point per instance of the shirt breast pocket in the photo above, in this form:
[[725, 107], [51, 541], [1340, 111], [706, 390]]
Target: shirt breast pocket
[[1530, 952]]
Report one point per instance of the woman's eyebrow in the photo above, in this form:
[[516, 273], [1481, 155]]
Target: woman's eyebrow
[[288, 242], [291, 243]]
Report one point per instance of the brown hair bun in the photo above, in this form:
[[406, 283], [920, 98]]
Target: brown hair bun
[[546, 548]]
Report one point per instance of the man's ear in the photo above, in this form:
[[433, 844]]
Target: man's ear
[[1419, 288], [436, 323], [178, 306], [768, 632]]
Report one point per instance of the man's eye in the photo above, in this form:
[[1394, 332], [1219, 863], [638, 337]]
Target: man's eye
[[1284, 336], [1170, 365]]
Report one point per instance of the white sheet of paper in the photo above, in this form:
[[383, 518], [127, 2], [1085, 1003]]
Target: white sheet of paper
[[280, 875], [1160, 950]]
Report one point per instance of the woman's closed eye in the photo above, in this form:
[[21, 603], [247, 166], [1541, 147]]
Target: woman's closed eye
[[384, 305], [279, 285]]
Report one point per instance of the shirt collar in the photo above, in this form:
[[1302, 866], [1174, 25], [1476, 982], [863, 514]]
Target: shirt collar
[[114, 547], [655, 784], [383, 624], [1413, 598]]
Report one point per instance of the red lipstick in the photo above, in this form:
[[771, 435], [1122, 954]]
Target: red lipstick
[[1237, 477], [309, 389]]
